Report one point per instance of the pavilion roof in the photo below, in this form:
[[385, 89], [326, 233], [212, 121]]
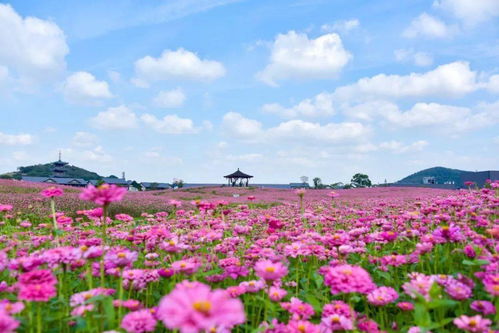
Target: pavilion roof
[[238, 174]]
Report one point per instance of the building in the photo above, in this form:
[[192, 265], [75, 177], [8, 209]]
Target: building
[[76, 182], [429, 180], [479, 177], [299, 185], [152, 186]]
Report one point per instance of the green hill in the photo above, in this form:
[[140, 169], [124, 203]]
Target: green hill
[[45, 170], [441, 175]]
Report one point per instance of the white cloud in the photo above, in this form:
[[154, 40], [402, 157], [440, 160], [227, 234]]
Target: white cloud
[[342, 26], [170, 124], [450, 119], [173, 65], [493, 84], [329, 133], [170, 99], [119, 118], [236, 125], [32, 48], [320, 105], [15, 139], [84, 139], [428, 26], [4, 74], [471, 12], [450, 80], [96, 155], [393, 146], [84, 88], [295, 56], [252, 157], [418, 58]]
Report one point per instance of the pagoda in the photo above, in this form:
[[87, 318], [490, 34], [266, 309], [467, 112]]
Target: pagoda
[[59, 168], [238, 178]]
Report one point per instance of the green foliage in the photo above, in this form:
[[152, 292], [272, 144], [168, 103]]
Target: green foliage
[[318, 183], [441, 175], [45, 170], [361, 180]]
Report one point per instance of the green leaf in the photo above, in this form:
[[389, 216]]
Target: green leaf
[[314, 302], [476, 262], [441, 303], [421, 315]]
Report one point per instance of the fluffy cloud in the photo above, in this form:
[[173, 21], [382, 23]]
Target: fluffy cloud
[[449, 80], [252, 157], [320, 105], [84, 88], [15, 139], [428, 26], [471, 12], [170, 99], [118, 118], [493, 84], [418, 58], [170, 124], [393, 146], [295, 56], [32, 48], [179, 64], [451, 119], [343, 26], [84, 139], [236, 125]]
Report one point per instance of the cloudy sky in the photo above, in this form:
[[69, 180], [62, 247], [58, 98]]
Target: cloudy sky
[[193, 89]]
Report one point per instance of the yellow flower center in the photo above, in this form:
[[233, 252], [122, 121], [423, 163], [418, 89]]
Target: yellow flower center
[[301, 328], [121, 255], [473, 322], [202, 306], [270, 269]]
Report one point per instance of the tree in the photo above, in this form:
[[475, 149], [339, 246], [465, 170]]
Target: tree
[[361, 180], [318, 183], [337, 185], [177, 183], [304, 179], [136, 185]]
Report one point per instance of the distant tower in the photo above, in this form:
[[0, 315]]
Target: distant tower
[[123, 175], [59, 168]]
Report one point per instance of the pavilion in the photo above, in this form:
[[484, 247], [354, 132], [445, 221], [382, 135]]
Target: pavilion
[[238, 178]]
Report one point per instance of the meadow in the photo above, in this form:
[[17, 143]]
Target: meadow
[[248, 260]]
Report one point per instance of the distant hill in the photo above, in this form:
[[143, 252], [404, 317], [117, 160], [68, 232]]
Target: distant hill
[[441, 175], [45, 170]]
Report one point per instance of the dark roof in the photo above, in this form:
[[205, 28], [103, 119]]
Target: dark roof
[[238, 174], [299, 185], [110, 181], [55, 180], [157, 185]]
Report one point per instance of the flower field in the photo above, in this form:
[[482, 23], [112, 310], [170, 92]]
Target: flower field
[[248, 260]]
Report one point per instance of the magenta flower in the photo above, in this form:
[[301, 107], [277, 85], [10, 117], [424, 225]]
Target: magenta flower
[[103, 195], [52, 192], [7, 323], [348, 279], [382, 296], [269, 270], [193, 307], [472, 324], [484, 307], [276, 294], [139, 321]]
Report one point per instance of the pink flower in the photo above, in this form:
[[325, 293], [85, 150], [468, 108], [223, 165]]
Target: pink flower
[[276, 294], [5, 208], [11, 308], [139, 322], [51, 192], [7, 323], [193, 307], [269, 270], [348, 279], [472, 324], [103, 195], [382, 296], [337, 322], [298, 308], [405, 306], [302, 326], [484, 307], [37, 292]]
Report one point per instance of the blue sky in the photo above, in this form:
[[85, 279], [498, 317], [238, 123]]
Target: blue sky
[[194, 89]]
